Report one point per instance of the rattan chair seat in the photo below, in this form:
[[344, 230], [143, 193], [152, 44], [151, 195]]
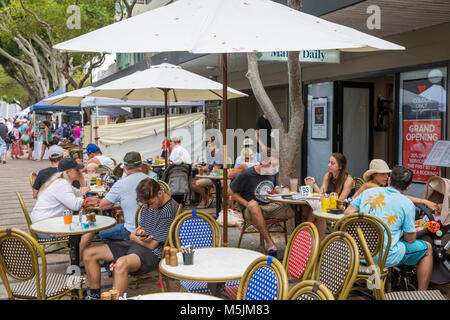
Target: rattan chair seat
[[56, 284], [415, 295]]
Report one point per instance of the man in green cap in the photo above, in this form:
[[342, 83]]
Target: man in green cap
[[123, 191]]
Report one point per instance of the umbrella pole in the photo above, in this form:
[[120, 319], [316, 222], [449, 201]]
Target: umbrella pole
[[225, 157], [166, 156]]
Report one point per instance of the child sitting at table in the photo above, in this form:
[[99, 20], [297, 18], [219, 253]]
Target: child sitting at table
[[92, 171]]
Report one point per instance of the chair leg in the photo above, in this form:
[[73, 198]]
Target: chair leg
[[243, 229]]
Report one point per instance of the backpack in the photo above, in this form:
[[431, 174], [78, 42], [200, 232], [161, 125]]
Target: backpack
[[66, 132], [177, 176], [11, 136]]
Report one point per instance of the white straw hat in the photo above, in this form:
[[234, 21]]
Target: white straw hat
[[376, 166]]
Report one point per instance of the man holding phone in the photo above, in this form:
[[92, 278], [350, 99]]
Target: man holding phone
[[140, 254]]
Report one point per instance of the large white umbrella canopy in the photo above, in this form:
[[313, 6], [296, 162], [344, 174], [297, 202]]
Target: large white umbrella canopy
[[218, 26], [71, 98], [149, 84], [224, 26], [164, 82]]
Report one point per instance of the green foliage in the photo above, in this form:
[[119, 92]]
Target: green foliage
[[10, 89]]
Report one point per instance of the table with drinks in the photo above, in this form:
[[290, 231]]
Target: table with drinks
[[73, 226], [216, 177]]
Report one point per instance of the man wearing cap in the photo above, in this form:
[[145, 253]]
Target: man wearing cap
[[124, 191], [96, 156], [178, 153], [55, 155]]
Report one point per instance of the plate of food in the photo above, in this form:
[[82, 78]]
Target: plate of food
[[335, 211]]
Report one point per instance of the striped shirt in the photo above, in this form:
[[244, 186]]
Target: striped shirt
[[157, 222]]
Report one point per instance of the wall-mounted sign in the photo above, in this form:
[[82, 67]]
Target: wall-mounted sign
[[422, 126], [319, 121], [321, 56]]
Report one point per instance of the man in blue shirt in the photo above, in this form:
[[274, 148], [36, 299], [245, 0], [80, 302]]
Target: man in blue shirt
[[123, 192], [398, 212]]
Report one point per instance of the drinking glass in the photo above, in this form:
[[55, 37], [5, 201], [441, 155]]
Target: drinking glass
[[67, 217], [325, 202], [293, 184], [333, 200]]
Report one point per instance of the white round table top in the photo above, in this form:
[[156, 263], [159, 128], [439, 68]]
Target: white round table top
[[278, 198], [175, 296], [218, 264], [56, 225], [326, 215]]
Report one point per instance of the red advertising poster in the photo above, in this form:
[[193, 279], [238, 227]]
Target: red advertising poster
[[419, 137]]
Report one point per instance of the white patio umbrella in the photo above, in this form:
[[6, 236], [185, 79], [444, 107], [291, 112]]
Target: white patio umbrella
[[70, 99], [218, 26], [164, 82]]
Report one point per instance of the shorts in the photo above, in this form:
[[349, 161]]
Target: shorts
[[149, 261], [273, 210], [47, 144], [414, 252]]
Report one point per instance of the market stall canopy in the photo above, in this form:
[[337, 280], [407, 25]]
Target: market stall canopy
[[149, 84], [43, 106], [90, 102], [217, 26]]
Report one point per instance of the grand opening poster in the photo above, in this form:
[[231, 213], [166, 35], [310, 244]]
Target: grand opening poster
[[422, 126]]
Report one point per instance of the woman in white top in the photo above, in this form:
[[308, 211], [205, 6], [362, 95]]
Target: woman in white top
[[58, 194]]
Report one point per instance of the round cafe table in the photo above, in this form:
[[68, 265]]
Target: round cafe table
[[56, 226], [175, 296], [215, 265], [294, 202], [327, 215]]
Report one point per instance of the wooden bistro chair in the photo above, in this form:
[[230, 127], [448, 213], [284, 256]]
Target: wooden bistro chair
[[160, 280], [358, 183], [118, 170], [248, 227], [375, 233], [61, 244], [309, 290], [398, 295], [33, 176], [199, 229], [264, 279], [299, 256], [337, 264], [23, 261]]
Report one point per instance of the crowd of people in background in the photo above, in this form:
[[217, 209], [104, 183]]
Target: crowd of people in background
[[17, 136]]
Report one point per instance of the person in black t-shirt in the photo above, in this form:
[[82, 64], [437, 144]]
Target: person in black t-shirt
[[263, 131], [250, 188], [55, 155]]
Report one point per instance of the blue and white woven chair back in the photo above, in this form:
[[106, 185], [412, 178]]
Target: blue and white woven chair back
[[196, 232], [263, 285]]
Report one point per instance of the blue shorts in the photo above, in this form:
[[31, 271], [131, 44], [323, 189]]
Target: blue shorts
[[414, 252]]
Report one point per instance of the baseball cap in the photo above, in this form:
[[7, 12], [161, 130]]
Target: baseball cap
[[69, 163], [91, 148], [132, 158], [55, 152]]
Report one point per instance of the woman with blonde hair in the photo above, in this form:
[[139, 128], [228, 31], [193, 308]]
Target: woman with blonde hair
[[58, 194]]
